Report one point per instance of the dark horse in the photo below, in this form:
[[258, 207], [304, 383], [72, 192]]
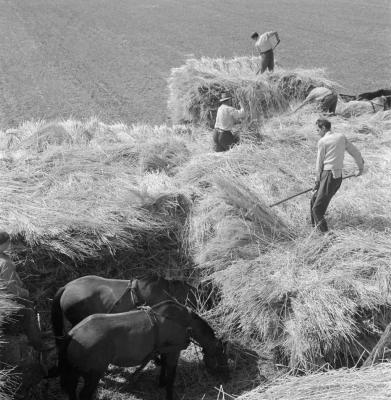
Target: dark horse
[[131, 338], [92, 294]]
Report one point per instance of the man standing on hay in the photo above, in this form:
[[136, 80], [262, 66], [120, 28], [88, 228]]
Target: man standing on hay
[[264, 44], [226, 118], [329, 164]]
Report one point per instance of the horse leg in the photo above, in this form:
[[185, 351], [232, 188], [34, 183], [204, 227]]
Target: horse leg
[[171, 363], [69, 383], [163, 369], [91, 381]]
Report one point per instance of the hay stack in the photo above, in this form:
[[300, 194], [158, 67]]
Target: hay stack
[[316, 301], [347, 384], [291, 294], [7, 379], [196, 87], [106, 205]]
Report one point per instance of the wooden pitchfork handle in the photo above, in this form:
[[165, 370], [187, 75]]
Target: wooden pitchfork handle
[[304, 191]]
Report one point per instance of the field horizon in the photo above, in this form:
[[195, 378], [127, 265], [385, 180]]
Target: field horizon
[[71, 59]]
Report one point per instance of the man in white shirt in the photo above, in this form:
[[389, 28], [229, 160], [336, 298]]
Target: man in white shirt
[[329, 164], [227, 116], [264, 45]]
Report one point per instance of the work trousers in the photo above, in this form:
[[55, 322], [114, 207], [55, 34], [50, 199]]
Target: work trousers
[[224, 140], [328, 186], [267, 61]]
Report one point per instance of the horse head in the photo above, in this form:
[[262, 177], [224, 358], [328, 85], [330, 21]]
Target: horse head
[[216, 360]]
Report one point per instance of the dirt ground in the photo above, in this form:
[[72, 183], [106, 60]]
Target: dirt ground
[[192, 380], [71, 58]]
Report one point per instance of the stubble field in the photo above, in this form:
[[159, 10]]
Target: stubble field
[[111, 59]]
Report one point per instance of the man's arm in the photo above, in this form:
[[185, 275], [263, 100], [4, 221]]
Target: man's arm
[[272, 33], [355, 153], [238, 114]]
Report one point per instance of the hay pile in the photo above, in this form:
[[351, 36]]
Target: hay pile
[[115, 200], [347, 384], [311, 300], [8, 380], [196, 87], [102, 201]]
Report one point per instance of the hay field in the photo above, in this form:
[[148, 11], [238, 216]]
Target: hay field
[[75, 59], [114, 199]]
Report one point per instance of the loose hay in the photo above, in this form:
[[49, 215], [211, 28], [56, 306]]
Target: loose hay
[[196, 87], [347, 384]]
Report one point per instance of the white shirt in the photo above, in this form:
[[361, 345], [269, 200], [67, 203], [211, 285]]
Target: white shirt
[[227, 116], [264, 43], [331, 151], [10, 277]]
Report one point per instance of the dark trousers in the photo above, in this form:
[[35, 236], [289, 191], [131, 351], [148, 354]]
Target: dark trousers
[[321, 199], [224, 140], [267, 61]]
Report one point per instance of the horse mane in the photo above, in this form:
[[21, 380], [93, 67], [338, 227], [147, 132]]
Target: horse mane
[[173, 301], [205, 325], [148, 276]]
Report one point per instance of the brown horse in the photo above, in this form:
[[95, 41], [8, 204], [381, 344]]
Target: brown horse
[[92, 294], [132, 338]]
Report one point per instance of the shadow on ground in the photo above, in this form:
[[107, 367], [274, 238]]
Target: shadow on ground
[[192, 380]]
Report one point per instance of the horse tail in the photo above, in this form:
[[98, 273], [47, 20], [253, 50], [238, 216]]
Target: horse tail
[[57, 317], [65, 369]]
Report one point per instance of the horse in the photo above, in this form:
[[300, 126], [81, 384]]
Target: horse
[[134, 337], [93, 294], [359, 107]]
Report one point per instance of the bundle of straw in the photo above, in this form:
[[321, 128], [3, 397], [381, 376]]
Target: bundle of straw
[[347, 384], [196, 87]]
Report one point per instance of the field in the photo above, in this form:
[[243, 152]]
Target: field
[[111, 59]]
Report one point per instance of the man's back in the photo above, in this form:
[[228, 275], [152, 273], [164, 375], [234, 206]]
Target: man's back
[[227, 116], [265, 41], [331, 153]]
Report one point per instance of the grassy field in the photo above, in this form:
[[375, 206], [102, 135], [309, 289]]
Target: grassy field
[[70, 58]]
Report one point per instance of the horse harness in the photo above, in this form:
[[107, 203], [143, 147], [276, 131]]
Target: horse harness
[[131, 288]]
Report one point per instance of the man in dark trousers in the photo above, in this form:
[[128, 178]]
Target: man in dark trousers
[[264, 45], [329, 164], [227, 116]]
